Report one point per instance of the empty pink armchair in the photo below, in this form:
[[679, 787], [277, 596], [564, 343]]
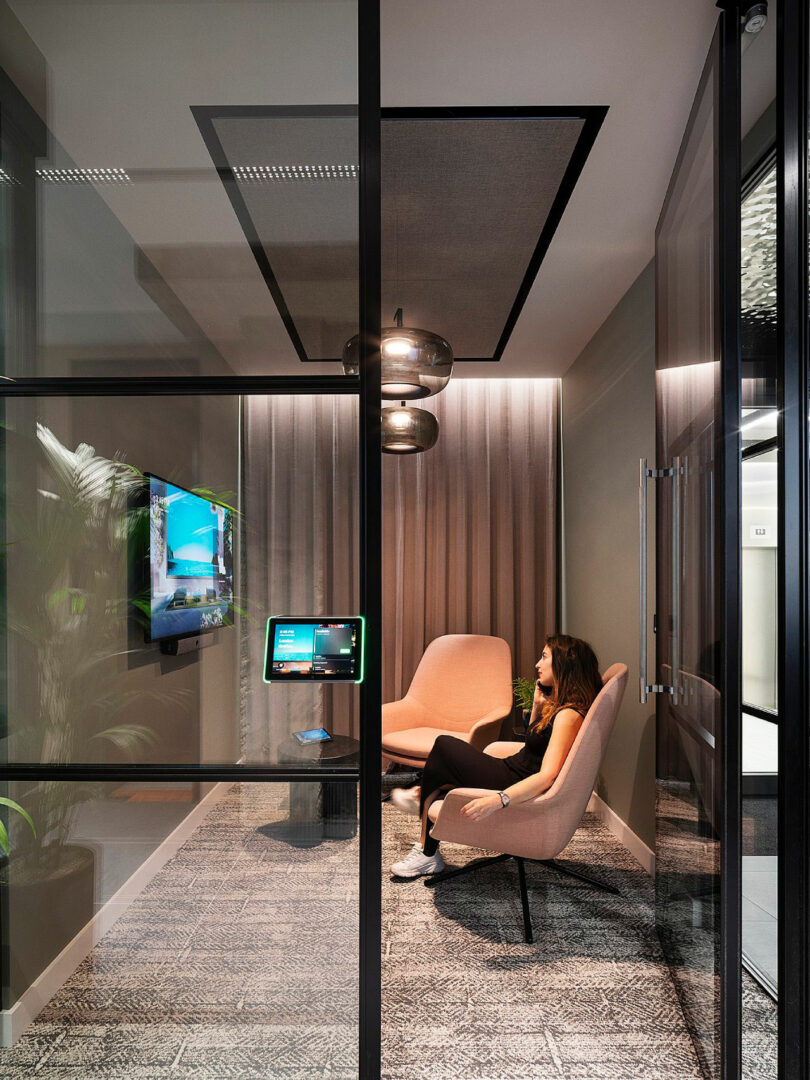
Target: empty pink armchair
[[537, 830], [462, 687]]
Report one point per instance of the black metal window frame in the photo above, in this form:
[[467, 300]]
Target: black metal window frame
[[366, 387]]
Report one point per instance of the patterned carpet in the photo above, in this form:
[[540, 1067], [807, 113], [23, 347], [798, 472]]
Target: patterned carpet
[[240, 960], [591, 999]]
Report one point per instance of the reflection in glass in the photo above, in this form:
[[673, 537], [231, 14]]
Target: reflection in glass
[[147, 541], [127, 256], [220, 930], [688, 731], [759, 539]]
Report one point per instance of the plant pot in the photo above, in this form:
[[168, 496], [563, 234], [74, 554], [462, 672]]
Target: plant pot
[[520, 722], [45, 903]]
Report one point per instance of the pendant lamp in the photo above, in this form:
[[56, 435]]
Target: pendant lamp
[[406, 430], [415, 363]]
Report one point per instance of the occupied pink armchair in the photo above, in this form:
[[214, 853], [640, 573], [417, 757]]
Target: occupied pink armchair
[[539, 829], [462, 687]]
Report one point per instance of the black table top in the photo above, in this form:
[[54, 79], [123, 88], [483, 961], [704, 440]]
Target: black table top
[[340, 749]]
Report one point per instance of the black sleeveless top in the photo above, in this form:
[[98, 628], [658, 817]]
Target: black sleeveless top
[[529, 758]]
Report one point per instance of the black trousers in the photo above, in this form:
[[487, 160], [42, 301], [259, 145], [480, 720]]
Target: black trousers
[[454, 763]]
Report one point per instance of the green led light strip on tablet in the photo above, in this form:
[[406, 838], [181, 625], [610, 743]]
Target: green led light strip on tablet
[[309, 648]]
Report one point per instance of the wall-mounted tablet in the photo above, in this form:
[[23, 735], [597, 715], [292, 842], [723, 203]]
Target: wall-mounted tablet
[[311, 649]]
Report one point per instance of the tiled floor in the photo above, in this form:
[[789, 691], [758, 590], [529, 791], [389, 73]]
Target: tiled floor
[[240, 960]]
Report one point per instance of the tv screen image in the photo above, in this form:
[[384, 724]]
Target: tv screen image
[[190, 562]]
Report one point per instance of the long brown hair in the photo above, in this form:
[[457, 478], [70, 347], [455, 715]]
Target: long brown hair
[[576, 677]]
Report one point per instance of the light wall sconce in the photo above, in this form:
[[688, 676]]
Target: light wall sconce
[[415, 363], [406, 430]]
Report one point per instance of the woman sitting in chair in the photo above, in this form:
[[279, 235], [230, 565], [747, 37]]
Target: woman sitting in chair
[[568, 681]]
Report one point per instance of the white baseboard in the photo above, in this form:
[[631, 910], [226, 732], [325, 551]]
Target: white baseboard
[[15, 1020], [623, 833]]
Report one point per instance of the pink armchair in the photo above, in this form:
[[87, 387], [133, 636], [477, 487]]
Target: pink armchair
[[462, 687], [539, 829]]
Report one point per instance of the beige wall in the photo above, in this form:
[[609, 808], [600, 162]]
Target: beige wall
[[608, 423]]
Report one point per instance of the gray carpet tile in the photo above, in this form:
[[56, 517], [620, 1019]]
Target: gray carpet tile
[[240, 960], [759, 1032], [465, 996]]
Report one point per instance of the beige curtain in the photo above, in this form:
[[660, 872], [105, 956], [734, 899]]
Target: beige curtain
[[469, 541], [469, 537], [299, 552]]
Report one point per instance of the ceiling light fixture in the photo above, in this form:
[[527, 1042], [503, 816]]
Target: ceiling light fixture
[[755, 18], [415, 363], [267, 174], [406, 430], [84, 176]]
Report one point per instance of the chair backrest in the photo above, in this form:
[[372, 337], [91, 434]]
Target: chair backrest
[[572, 789], [463, 677]]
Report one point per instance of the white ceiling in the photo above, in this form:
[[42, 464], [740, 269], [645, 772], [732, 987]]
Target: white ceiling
[[122, 76]]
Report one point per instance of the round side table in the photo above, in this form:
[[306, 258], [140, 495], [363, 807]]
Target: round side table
[[325, 811]]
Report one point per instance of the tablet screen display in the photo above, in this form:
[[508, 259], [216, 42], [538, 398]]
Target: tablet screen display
[[307, 649]]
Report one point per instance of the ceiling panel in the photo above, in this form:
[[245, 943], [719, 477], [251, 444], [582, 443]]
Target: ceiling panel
[[469, 206]]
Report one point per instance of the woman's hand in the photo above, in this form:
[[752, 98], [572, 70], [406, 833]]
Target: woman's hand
[[478, 809], [539, 697]]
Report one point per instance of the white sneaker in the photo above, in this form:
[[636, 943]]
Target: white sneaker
[[416, 863], [406, 800]]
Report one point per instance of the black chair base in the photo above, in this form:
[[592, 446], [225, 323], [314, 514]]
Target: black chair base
[[552, 864]]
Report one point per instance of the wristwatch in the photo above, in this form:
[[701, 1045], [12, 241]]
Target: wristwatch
[[504, 799]]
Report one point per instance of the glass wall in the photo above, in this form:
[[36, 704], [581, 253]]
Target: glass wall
[[179, 197], [759, 538], [164, 229]]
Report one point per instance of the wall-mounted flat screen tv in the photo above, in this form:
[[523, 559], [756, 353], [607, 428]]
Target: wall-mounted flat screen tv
[[190, 562]]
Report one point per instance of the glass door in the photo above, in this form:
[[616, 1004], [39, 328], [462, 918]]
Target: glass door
[[696, 480], [182, 187]]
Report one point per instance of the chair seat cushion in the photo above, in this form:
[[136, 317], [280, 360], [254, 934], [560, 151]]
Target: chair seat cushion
[[416, 742]]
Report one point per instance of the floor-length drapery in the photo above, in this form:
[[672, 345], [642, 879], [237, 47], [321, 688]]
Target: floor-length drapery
[[299, 555], [469, 541], [469, 537]]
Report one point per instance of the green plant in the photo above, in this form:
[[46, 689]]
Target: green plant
[[4, 844], [70, 518], [524, 692]]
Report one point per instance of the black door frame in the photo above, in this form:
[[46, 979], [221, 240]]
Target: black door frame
[[793, 904], [366, 387]]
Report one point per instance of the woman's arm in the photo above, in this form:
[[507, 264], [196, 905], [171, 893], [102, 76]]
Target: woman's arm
[[566, 726]]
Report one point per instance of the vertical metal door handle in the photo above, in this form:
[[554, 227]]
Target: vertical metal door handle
[[676, 578], [645, 688], [642, 580]]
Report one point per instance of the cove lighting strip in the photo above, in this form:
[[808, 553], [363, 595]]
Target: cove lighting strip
[[265, 174], [7, 178], [84, 176]]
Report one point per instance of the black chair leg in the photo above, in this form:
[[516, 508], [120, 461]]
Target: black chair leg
[[476, 864], [562, 868], [524, 899]]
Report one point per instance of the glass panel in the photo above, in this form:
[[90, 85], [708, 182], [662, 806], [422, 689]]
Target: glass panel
[[209, 932], [759, 568], [759, 539], [100, 559], [154, 235], [688, 650]]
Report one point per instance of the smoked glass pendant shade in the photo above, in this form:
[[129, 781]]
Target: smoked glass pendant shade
[[415, 363], [406, 430]]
